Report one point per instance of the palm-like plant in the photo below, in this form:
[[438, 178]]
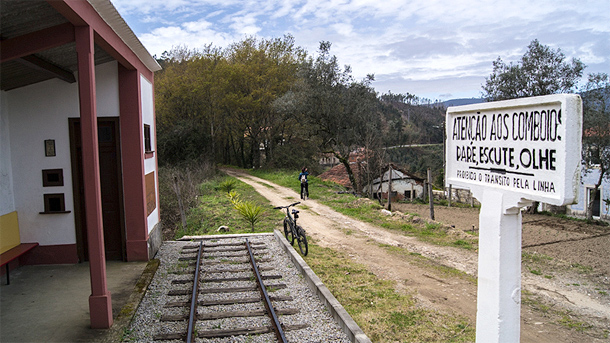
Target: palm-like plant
[[251, 212], [234, 197], [228, 185]]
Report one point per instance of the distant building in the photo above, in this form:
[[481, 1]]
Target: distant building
[[328, 160], [403, 185], [601, 209]]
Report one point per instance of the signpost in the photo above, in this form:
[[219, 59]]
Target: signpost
[[509, 154]]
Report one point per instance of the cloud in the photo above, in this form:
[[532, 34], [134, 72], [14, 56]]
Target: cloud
[[245, 25], [408, 44], [343, 29], [190, 34], [197, 26], [441, 88]]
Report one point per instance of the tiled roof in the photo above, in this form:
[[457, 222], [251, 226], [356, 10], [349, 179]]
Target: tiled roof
[[339, 175]]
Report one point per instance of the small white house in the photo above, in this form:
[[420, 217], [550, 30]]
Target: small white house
[[404, 185], [601, 209]]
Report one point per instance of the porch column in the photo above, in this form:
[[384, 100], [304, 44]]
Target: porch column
[[100, 304], [132, 151]]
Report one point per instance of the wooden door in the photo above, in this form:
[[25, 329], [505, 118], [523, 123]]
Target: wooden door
[[111, 189], [597, 204]]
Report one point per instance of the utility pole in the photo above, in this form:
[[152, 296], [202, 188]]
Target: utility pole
[[449, 196], [390, 188], [430, 194]]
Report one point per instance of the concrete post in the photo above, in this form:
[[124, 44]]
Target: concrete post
[[499, 281], [100, 303]]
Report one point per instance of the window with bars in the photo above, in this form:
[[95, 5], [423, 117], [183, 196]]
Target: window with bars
[[147, 144]]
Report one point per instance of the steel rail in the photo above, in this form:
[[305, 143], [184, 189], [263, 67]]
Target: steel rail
[[277, 327], [190, 329]]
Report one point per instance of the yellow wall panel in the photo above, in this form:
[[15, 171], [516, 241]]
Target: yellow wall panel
[[9, 232]]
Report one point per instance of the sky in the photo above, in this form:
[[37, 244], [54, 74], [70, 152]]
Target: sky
[[436, 49]]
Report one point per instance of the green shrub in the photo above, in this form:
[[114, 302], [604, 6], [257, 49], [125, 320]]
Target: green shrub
[[251, 212], [228, 185], [234, 197]]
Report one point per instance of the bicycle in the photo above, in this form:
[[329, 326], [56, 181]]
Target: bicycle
[[292, 231], [304, 189]]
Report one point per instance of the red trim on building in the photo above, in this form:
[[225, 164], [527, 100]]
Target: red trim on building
[[51, 254], [38, 41], [134, 189], [100, 304]]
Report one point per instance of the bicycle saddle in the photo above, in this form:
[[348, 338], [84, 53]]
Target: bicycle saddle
[[294, 211]]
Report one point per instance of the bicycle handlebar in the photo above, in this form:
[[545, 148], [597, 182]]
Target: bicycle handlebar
[[280, 207]]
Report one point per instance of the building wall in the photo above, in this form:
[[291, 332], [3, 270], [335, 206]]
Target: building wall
[[150, 164], [400, 186], [36, 113], [7, 199], [588, 180]]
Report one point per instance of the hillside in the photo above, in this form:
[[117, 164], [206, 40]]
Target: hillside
[[462, 101]]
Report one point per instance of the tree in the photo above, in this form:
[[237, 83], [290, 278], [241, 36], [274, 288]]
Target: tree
[[262, 71], [341, 112], [541, 71], [596, 131], [217, 103], [186, 104]]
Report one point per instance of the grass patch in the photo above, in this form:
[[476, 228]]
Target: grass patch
[[559, 316], [424, 262], [548, 267], [266, 185], [571, 322], [383, 314], [535, 257], [582, 269], [538, 264], [214, 209], [460, 243], [582, 220]]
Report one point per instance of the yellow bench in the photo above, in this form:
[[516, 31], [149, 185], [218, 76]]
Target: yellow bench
[[11, 247]]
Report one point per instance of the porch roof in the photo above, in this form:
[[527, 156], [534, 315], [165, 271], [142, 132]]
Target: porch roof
[[27, 20]]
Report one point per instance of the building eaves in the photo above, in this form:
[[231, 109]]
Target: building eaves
[[112, 17]]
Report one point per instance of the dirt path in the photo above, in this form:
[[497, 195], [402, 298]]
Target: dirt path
[[363, 242]]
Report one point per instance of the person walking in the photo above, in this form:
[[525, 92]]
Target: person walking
[[304, 184]]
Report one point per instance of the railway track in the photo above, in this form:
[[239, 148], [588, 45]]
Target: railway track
[[221, 283]]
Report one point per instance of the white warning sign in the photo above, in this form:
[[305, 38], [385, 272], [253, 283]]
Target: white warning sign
[[530, 146]]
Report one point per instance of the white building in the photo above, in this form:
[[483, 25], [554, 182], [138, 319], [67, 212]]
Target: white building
[[78, 168], [601, 209], [404, 185]]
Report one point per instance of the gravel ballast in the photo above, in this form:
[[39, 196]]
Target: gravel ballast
[[147, 323]]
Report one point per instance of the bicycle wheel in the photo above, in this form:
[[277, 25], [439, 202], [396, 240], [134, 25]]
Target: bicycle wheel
[[302, 240], [288, 231]]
